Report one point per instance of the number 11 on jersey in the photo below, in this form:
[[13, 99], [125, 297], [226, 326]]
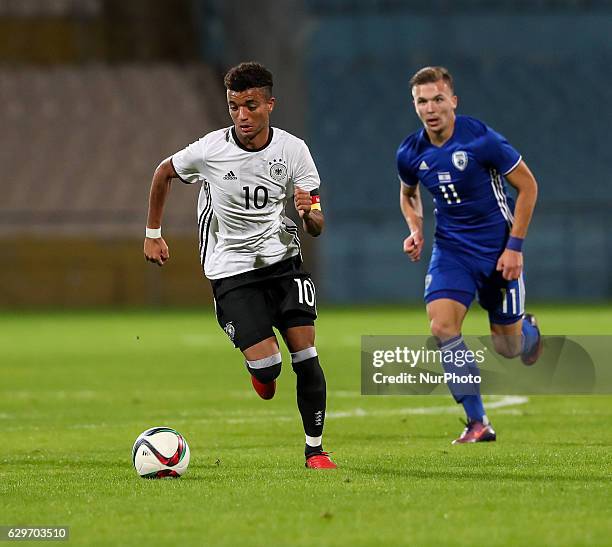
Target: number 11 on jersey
[[505, 300], [449, 193]]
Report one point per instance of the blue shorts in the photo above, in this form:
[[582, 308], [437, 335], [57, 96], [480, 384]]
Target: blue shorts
[[460, 277]]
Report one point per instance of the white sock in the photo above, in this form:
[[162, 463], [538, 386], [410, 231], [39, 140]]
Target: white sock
[[314, 441]]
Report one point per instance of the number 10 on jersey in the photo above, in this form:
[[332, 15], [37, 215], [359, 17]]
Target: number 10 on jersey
[[259, 199]]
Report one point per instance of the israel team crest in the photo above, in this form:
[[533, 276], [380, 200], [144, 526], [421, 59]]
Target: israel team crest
[[460, 160]]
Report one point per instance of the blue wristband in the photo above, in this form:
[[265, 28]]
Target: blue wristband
[[515, 244]]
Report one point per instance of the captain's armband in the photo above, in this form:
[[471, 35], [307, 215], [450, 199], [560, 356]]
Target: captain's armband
[[315, 200]]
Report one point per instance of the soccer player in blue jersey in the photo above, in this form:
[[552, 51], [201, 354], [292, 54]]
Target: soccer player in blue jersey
[[479, 232]]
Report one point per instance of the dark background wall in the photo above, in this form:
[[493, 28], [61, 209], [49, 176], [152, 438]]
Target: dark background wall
[[539, 77], [94, 93]]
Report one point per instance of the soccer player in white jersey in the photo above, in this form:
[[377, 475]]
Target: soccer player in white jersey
[[248, 249]]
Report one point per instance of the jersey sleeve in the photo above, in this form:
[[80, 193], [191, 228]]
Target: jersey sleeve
[[305, 174], [499, 153], [404, 168], [189, 162]]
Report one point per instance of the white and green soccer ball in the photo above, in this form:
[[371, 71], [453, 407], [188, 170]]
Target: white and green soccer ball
[[160, 452]]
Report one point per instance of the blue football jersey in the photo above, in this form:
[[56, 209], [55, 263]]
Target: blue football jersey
[[474, 212]]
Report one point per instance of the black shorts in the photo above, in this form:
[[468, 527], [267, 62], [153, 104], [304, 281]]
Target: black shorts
[[249, 305]]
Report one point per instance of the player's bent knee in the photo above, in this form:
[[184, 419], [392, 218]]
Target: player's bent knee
[[299, 338], [443, 330], [267, 369]]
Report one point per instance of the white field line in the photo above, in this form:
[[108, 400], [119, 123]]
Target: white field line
[[509, 400], [203, 340], [84, 394], [497, 403], [502, 402], [234, 417], [206, 340]]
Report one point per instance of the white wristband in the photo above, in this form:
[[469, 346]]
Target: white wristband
[[153, 233]]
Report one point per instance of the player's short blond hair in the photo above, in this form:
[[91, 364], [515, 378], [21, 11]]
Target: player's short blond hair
[[430, 75]]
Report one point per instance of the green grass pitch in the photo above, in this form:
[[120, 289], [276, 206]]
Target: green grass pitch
[[76, 390]]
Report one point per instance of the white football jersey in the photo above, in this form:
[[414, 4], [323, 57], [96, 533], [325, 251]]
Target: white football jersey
[[241, 207]]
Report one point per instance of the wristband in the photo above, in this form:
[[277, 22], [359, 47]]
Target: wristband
[[515, 244], [153, 233]]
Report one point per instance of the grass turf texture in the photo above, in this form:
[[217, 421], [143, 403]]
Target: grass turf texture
[[76, 390]]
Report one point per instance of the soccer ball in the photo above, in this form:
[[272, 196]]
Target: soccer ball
[[160, 452]]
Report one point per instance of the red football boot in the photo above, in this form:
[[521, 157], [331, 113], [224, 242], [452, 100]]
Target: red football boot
[[476, 432], [320, 460], [265, 391]]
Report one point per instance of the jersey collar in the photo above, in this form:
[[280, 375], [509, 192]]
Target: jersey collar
[[425, 137], [240, 145]]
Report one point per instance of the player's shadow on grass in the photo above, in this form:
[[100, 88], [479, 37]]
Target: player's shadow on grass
[[413, 436], [470, 475], [581, 444]]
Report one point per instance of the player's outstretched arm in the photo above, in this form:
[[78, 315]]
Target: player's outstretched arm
[[510, 263], [412, 209], [312, 219], [155, 248]]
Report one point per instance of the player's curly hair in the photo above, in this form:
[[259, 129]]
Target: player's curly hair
[[248, 75], [430, 75]]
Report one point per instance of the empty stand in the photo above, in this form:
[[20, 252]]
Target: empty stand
[[83, 143]]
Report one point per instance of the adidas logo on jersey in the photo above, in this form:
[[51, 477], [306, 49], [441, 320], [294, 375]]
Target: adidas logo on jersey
[[423, 166], [230, 176]]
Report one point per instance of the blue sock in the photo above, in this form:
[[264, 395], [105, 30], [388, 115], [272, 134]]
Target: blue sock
[[474, 409], [530, 336], [466, 394]]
